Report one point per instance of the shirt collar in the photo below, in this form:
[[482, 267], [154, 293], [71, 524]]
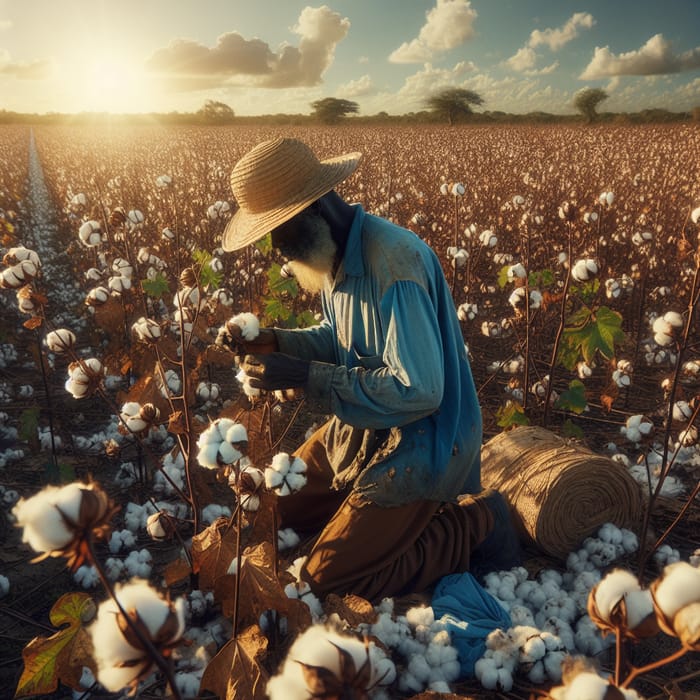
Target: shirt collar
[[353, 263]]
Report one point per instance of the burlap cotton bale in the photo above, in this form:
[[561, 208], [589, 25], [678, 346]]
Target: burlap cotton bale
[[559, 493]]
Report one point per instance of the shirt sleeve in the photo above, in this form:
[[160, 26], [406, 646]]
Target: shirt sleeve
[[314, 343], [406, 383]]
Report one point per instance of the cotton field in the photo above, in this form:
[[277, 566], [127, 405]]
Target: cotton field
[[574, 260]]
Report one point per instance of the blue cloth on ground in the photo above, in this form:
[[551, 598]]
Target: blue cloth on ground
[[470, 613]]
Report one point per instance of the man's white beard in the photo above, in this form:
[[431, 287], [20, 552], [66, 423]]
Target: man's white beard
[[315, 271]]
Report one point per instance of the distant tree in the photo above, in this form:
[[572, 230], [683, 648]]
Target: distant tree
[[214, 112], [331, 110], [586, 101], [453, 103]]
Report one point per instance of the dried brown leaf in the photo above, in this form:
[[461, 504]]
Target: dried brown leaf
[[236, 672]]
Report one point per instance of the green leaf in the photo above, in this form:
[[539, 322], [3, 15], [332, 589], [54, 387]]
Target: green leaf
[[511, 414], [62, 655], [275, 310], [207, 276], [157, 286], [306, 319], [503, 277], [541, 278], [264, 245], [281, 285], [571, 430], [574, 398], [587, 332], [28, 424]]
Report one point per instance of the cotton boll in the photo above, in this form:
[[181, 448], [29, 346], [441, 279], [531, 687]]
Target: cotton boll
[[87, 576], [532, 649], [418, 667], [521, 615], [678, 587], [287, 538], [536, 673], [552, 664]]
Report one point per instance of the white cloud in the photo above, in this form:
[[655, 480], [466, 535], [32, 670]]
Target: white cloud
[[363, 59], [356, 88], [448, 25], [23, 70], [5, 24], [420, 85], [656, 57], [524, 59], [188, 65], [557, 38]]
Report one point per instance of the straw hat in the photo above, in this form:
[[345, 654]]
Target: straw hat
[[275, 181]]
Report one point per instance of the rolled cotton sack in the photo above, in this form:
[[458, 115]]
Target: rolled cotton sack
[[559, 492]]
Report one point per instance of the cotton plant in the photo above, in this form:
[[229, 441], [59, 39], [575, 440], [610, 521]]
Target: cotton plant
[[301, 590], [221, 444], [123, 648], [344, 664], [246, 482], [665, 328], [286, 474], [549, 613]]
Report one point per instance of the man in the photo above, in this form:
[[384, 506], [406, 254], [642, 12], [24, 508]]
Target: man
[[389, 474]]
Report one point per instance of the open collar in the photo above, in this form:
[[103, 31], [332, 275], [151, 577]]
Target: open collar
[[353, 263]]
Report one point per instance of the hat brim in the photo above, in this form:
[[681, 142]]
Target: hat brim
[[245, 228]]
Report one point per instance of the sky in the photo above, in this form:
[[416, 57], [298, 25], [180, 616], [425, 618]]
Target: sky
[[273, 56]]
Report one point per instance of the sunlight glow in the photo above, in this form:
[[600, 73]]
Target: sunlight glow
[[113, 85]]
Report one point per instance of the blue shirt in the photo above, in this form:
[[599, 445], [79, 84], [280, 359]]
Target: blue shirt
[[389, 354]]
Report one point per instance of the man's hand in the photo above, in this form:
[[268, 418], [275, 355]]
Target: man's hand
[[276, 371], [230, 336]]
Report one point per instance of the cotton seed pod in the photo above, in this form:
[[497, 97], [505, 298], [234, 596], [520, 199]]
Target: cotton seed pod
[[606, 198], [57, 520], [84, 376], [167, 234], [147, 330], [160, 526], [189, 297], [488, 239], [78, 200], [584, 269], [90, 233], [164, 181], [618, 602], [60, 340], [18, 275], [149, 413], [93, 274], [121, 657], [27, 300], [118, 284], [121, 266], [135, 217], [516, 271], [567, 211], [97, 296], [188, 277], [457, 189], [674, 319], [676, 596], [19, 254]]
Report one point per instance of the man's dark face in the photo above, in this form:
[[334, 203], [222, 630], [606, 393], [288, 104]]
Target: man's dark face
[[297, 237]]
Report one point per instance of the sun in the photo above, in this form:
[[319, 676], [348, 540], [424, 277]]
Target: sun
[[114, 85]]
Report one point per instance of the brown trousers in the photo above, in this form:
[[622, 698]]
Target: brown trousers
[[374, 551]]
